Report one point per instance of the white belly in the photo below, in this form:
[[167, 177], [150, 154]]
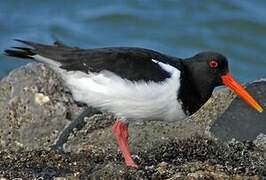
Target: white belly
[[128, 100]]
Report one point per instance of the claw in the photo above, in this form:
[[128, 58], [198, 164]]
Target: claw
[[132, 164]]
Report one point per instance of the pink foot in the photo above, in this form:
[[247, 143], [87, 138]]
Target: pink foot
[[120, 131]]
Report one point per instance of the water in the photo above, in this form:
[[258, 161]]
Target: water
[[236, 28]]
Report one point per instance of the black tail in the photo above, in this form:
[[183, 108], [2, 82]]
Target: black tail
[[21, 52], [35, 48]]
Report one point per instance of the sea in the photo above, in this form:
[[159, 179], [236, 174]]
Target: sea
[[236, 28]]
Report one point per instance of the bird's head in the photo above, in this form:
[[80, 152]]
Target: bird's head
[[210, 69]]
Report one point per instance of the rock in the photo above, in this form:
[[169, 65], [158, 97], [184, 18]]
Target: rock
[[194, 157], [240, 121], [36, 110], [260, 142]]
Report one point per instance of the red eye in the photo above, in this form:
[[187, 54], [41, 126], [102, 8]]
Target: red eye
[[213, 64]]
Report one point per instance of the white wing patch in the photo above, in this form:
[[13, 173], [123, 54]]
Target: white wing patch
[[128, 100]]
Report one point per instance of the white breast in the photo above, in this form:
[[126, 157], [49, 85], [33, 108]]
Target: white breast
[[128, 100]]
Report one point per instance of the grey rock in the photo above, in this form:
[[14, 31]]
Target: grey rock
[[240, 121], [34, 108]]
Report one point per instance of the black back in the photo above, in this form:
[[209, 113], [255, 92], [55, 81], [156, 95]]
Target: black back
[[134, 64], [131, 63]]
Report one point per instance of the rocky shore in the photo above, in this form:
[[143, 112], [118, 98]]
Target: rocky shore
[[223, 140]]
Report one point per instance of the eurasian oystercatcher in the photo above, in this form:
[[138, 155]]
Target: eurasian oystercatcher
[[136, 84]]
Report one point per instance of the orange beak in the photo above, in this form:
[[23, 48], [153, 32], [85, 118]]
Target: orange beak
[[230, 82]]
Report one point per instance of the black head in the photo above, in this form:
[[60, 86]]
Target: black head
[[207, 69], [202, 73]]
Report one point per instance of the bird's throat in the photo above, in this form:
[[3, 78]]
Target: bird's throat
[[192, 97]]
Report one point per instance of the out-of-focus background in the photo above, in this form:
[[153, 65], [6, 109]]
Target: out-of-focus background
[[236, 28]]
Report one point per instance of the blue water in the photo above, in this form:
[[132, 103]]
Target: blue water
[[236, 28]]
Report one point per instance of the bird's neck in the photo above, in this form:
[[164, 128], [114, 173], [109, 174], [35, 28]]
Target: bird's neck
[[192, 96]]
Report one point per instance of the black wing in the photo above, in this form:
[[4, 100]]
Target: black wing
[[130, 63]]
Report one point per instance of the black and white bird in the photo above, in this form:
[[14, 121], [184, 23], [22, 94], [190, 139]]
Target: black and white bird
[[136, 84]]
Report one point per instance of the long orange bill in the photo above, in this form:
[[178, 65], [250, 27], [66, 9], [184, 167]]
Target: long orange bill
[[230, 82]]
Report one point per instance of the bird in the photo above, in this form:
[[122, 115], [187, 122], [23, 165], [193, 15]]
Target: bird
[[135, 84]]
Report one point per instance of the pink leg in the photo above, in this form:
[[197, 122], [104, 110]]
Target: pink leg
[[120, 131]]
